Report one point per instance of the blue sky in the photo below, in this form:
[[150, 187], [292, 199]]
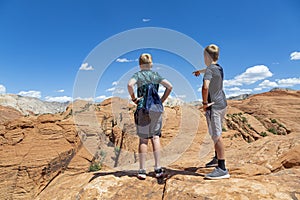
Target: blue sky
[[44, 44]]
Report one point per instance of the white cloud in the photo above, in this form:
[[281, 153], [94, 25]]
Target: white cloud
[[267, 84], [161, 94], [59, 99], [119, 91], [233, 89], [181, 96], [257, 89], [102, 97], [295, 55], [2, 89], [60, 91], [289, 82], [146, 20], [91, 99], [229, 83], [236, 91], [30, 93], [173, 101], [124, 60], [161, 89], [85, 66], [114, 83], [110, 89], [250, 76], [114, 89]]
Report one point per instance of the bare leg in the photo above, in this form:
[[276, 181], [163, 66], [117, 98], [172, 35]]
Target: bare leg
[[143, 147], [219, 147], [156, 150]]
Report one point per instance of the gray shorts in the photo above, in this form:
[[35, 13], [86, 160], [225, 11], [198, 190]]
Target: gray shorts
[[148, 124], [214, 120]]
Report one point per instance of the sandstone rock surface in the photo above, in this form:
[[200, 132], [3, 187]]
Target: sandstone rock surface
[[48, 156]]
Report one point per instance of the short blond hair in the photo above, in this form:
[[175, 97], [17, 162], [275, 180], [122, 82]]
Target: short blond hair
[[213, 51], [145, 60]]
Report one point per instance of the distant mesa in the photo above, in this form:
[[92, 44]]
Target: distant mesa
[[31, 105], [245, 96], [239, 97], [281, 89]]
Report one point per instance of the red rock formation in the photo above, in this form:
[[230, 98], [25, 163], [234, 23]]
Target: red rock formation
[[42, 157]]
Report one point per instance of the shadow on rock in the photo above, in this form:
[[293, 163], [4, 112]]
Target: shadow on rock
[[168, 173]]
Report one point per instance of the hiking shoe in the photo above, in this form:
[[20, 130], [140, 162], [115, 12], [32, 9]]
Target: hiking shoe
[[158, 172], [212, 163], [218, 173], [142, 174]]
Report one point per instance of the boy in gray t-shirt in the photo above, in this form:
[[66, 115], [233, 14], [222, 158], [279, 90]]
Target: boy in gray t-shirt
[[212, 92]]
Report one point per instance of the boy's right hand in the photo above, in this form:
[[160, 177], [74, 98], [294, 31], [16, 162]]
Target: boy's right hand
[[198, 72], [136, 101]]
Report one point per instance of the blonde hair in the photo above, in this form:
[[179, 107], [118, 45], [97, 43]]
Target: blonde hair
[[145, 61], [213, 51]]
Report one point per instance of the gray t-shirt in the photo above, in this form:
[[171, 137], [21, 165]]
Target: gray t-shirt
[[214, 73]]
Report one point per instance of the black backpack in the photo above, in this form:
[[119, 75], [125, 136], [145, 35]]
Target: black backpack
[[152, 105]]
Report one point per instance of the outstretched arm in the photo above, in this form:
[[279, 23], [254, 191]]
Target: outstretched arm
[[168, 89]]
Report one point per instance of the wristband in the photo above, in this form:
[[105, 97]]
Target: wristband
[[134, 99], [204, 103]]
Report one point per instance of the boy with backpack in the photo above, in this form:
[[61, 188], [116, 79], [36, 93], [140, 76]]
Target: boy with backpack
[[148, 115]]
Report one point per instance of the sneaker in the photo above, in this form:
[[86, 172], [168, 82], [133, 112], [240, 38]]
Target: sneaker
[[218, 173], [212, 163], [158, 172], [142, 174]]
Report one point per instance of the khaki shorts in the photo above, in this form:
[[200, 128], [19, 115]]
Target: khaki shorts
[[214, 120]]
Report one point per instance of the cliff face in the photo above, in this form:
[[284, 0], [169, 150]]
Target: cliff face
[[49, 156], [34, 150]]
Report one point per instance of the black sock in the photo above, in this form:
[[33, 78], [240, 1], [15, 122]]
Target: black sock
[[221, 164], [216, 156]]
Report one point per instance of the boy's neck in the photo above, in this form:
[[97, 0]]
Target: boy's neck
[[213, 63]]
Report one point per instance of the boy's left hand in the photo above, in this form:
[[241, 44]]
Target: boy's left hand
[[204, 107]]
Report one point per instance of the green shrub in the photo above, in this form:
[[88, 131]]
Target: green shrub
[[102, 154], [95, 167], [272, 130], [264, 134], [273, 121], [244, 119], [224, 129]]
